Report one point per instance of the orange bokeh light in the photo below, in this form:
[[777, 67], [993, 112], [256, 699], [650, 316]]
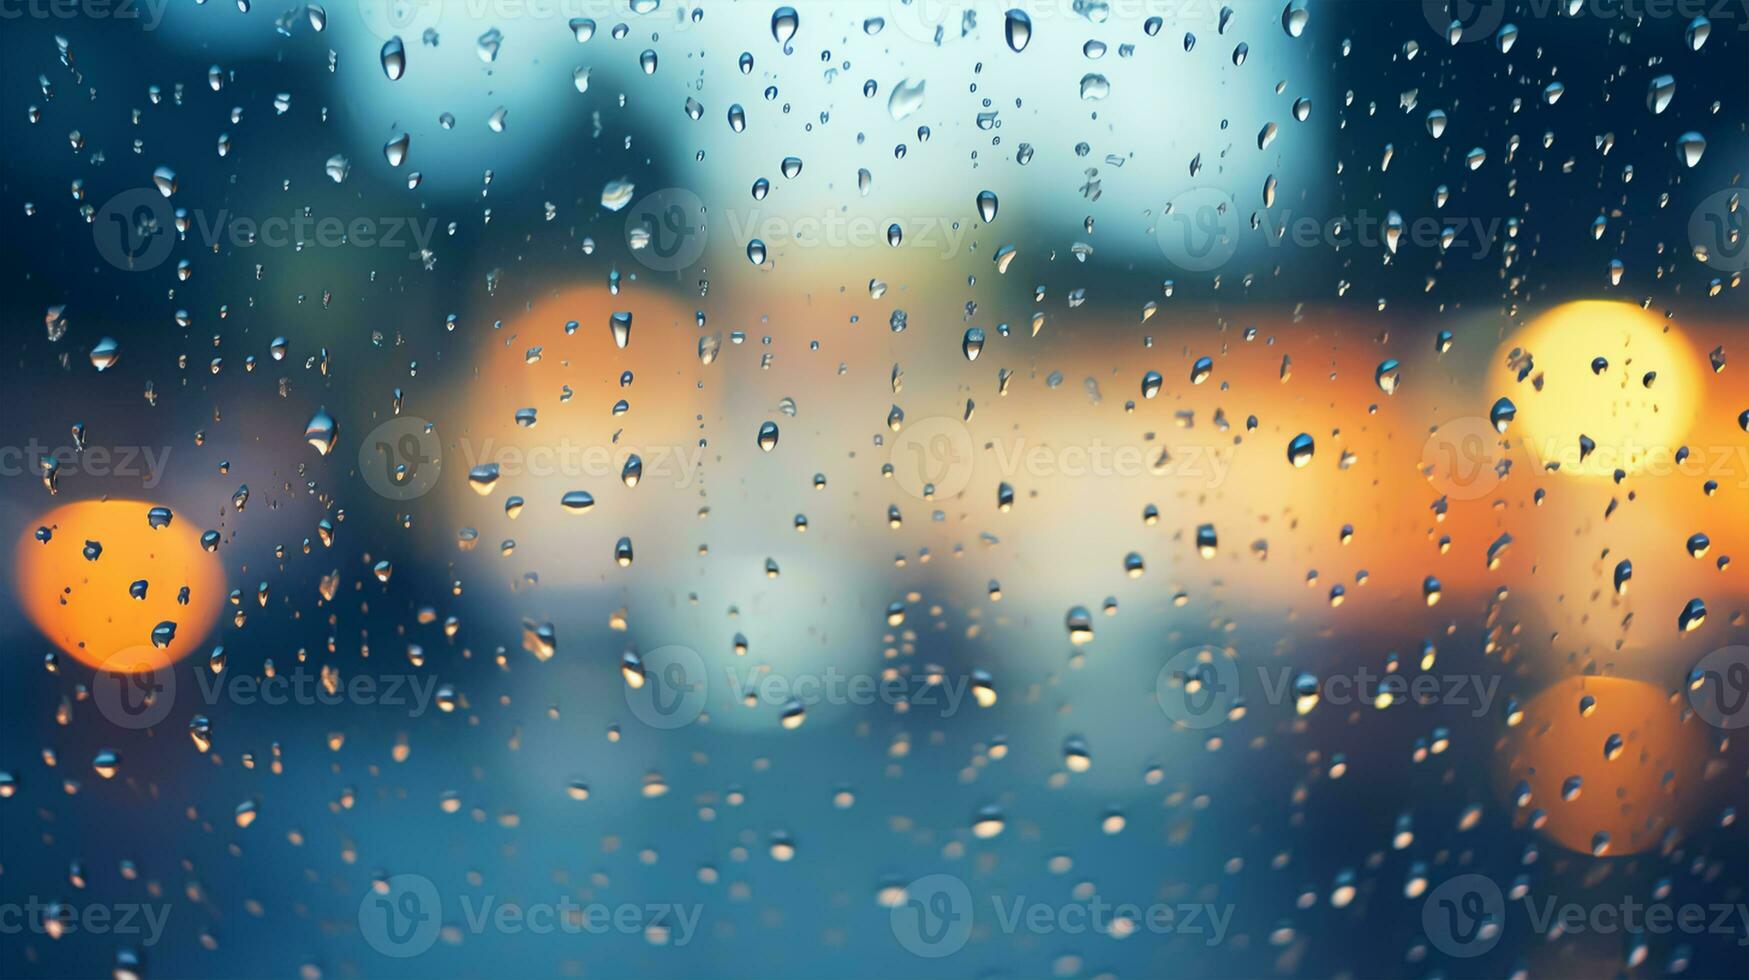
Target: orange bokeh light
[[85, 606], [1651, 786]]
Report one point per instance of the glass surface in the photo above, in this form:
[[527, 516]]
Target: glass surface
[[1076, 488]]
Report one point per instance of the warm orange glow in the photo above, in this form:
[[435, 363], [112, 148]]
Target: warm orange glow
[[85, 606], [1636, 797], [1593, 358]]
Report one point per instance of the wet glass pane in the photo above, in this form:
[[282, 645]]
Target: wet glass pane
[[929, 488]]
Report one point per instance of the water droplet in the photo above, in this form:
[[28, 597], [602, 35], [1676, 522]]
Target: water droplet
[[1387, 375], [906, 98], [1699, 29], [394, 59], [322, 431], [784, 22], [987, 206], [1294, 17], [1689, 147], [1502, 414], [1079, 623], [1692, 616], [1659, 93], [1017, 28], [1200, 371], [1300, 450], [105, 353], [395, 150], [973, 343]]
